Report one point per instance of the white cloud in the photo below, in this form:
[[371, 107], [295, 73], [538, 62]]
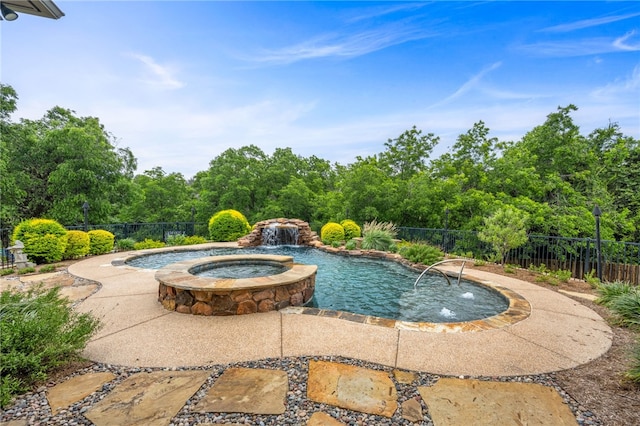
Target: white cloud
[[469, 84], [622, 42], [629, 86], [587, 23], [346, 45], [160, 76]]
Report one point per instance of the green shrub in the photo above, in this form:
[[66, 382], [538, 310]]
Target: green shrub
[[627, 309], [331, 232], [543, 278], [633, 373], [336, 244], [47, 268], [610, 291], [175, 240], [39, 331], [183, 240], [101, 241], [125, 244], [350, 245], [4, 272], [351, 229], [194, 239], [421, 253], [479, 262], [44, 240], [27, 270], [592, 279], [228, 225], [542, 269], [148, 244], [377, 239], [510, 269], [393, 248], [562, 275], [505, 230], [78, 243]]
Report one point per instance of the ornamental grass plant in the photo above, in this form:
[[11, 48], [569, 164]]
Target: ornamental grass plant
[[378, 235], [623, 300]]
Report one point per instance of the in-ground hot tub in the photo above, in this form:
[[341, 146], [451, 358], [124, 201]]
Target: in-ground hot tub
[[182, 290]]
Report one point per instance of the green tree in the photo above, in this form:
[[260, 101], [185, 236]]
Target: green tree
[[369, 193], [408, 153], [231, 182], [10, 192], [159, 197], [62, 160], [505, 230]]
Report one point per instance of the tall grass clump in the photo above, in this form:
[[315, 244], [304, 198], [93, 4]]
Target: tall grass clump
[[633, 373], [39, 331], [624, 301], [611, 291], [378, 235], [627, 309]]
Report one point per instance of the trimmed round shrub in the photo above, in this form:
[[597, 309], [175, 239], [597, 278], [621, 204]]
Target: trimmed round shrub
[[78, 243], [101, 241], [45, 240], [331, 232], [351, 229], [228, 225]]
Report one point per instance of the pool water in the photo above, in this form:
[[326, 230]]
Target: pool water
[[370, 286], [241, 270]]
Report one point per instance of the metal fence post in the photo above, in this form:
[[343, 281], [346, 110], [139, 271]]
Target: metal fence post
[[597, 213]]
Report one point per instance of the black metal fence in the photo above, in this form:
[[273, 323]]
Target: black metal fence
[[138, 231], [620, 260], [159, 231]]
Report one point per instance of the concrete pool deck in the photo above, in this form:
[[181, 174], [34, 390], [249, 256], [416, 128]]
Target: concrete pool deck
[[559, 333]]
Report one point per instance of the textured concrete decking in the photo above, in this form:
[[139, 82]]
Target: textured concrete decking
[[560, 333]]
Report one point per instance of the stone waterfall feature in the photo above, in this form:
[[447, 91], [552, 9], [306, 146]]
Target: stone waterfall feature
[[279, 235], [278, 232]]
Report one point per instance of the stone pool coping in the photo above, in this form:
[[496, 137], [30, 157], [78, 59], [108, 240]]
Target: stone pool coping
[[181, 274], [518, 310], [559, 333]]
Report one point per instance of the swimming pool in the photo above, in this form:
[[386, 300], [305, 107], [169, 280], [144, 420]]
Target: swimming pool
[[369, 286]]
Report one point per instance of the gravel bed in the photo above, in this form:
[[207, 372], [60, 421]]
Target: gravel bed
[[34, 408]]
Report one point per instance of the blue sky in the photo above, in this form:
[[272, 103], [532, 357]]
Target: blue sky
[[180, 82]]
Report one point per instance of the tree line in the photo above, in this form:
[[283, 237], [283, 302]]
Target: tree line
[[553, 177]]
